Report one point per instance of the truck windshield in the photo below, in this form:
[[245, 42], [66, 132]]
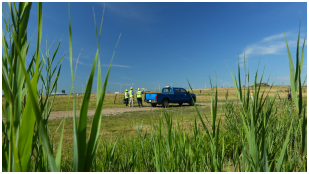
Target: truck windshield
[[167, 90]]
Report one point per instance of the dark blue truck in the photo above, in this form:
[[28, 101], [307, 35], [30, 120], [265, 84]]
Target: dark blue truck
[[170, 95]]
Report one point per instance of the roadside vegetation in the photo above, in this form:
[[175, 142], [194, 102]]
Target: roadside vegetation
[[245, 135]]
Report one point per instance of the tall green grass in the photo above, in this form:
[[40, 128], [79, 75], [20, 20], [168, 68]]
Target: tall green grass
[[84, 151], [255, 136], [26, 125]]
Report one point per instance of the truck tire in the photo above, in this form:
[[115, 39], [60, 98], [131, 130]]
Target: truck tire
[[165, 103], [153, 104], [180, 104], [191, 102]]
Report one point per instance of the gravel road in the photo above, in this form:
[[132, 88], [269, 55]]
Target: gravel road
[[113, 111]]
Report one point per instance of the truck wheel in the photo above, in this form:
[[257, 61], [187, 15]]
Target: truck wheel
[[191, 102], [165, 103], [153, 104], [180, 104]]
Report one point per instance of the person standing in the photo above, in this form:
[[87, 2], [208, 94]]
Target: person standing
[[131, 93], [126, 96], [289, 96], [139, 97]]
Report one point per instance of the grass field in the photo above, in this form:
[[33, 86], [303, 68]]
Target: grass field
[[127, 120], [203, 96], [123, 126]]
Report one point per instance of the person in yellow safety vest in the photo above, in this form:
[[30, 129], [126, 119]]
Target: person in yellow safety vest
[[131, 93], [126, 97], [139, 97]]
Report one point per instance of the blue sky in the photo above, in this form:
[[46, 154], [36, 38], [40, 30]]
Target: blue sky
[[162, 43]]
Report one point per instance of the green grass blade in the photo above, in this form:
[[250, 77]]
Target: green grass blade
[[76, 147], [217, 137], [296, 78], [213, 114], [300, 98], [70, 44], [235, 82], [302, 54], [264, 160], [239, 83], [58, 155], [32, 86], [99, 82], [95, 24], [283, 150], [292, 72], [304, 133], [26, 135], [98, 45], [205, 127], [6, 84], [82, 124], [16, 162], [54, 55], [92, 143], [83, 118]]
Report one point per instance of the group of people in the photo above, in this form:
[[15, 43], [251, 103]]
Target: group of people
[[130, 95]]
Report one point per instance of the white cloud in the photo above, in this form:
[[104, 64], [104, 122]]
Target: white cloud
[[274, 44], [133, 11], [82, 63], [68, 58], [121, 66], [79, 62], [274, 37]]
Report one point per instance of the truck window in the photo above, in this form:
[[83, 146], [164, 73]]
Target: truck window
[[183, 91], [167, 90], [177, 91]]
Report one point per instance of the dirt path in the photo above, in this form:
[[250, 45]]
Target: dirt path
[[105, 112], [113, 111]]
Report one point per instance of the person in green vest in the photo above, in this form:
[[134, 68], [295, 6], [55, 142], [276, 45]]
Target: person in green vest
[[131, 93], [139, 97], [126, 97]]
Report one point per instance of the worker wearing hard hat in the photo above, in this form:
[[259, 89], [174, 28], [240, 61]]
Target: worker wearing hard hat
[[131, 93], [126, 96], [139, 97]]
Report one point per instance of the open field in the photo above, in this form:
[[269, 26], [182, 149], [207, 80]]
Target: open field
[[119, 122], [203, 96], [123, 125]]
